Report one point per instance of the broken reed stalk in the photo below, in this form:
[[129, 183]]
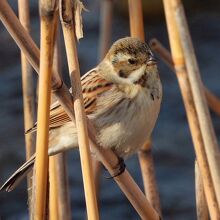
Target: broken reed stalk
[[107, 157], [201, 204], [66, 18], [145, 154], [192, 116], [212, 100], [208, 133], [28, 95], [105, 33], [60, 172], [48, 26]]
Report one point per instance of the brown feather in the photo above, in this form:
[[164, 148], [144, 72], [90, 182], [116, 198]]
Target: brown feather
[[92, 86]]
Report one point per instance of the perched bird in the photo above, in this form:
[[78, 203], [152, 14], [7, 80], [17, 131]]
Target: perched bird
[[122, 98]]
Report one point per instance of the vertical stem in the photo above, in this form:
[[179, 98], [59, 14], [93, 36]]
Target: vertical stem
[[201, 204], [48, 19], [209, 137], [148, 174], [28, 94], [192, 116], [53, 189], [58, 170], [144, 155], [81, 125]]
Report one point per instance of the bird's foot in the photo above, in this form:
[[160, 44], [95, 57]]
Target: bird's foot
[[119, 169]]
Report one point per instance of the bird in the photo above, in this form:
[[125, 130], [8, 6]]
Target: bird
[[122, 98]]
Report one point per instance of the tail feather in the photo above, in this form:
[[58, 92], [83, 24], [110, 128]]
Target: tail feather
[[18, 175]]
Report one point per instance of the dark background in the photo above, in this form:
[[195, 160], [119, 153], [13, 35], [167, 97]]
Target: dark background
[[172, 146]]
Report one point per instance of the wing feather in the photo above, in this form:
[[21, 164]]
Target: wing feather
[[93, 85]]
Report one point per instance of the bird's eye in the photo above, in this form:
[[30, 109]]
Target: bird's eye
[[132, 61]]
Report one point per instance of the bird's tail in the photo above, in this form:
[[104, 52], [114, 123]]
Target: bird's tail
[[18, 175]]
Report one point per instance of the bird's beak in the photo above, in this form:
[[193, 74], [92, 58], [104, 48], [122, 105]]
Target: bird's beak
[[151, 61]]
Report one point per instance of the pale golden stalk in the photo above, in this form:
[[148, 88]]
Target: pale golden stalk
[[182, 76], [212, 100], [201, 204], [53, 189], [28, 94], [107, 157], [48, 23], [208, 133], [81, 125], [144, 155], [60, 167]]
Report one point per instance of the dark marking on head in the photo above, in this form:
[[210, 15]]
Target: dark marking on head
[[152, 96], [122, 74]]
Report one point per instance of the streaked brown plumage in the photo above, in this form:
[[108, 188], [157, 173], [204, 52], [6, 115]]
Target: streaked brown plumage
[[122, 97]]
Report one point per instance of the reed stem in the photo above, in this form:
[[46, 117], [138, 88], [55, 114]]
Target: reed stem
[[201, 204], [80, 118], [209, 137], [48, 19], [182, 76], [28, 95]]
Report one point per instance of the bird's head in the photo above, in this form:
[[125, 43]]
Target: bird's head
[[130, 58]]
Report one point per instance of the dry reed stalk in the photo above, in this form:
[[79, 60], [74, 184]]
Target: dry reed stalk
[[60, 172], [107, 157], [28, 95], [212, 100], [48, 25], [201, 204], [66, 17], [53, 190], [148, 174], [144, 155], [208, 133], [192, 116]]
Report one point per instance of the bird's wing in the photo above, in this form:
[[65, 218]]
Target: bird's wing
[[93, 85]]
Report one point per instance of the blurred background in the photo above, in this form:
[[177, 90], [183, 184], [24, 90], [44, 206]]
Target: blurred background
[[172, 146]]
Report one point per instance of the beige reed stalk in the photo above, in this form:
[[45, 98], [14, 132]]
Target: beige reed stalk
[[105, 33], [197, 138], [212, 100], [81, 125], [209, 137], [201, 204], [193, 123], [145, 154], [28, 94], [48, 23], [60, 166], [53, 190], [107, 157]]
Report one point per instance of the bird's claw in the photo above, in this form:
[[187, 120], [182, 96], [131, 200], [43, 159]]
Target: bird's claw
[[119, 169]]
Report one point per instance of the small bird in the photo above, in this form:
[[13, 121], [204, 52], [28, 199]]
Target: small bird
[[122, 98]]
